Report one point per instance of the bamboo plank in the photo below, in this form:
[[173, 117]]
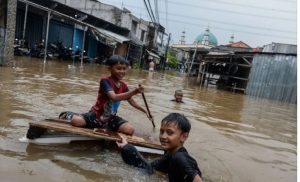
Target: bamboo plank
[[64, 126]]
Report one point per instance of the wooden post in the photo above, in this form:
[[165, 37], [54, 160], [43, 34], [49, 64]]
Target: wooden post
[[208, 76], [203, 74], [200, 72]]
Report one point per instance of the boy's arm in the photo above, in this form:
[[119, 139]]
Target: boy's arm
[[131, 156], [134, 104], [197, 178], [124, 96]]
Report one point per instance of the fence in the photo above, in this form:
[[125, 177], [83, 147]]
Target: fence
[[274, 76]]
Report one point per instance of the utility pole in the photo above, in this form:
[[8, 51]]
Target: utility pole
[[193, 59], [166, 52]]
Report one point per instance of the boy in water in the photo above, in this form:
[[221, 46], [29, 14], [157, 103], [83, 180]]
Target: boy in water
[[176, 161], [151, 66], [178, 96], [111, 91]]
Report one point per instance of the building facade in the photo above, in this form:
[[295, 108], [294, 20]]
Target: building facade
[[143, 34]]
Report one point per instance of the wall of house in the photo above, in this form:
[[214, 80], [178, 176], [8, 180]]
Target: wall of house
[[103, 11], [143, 26], [111, 14]]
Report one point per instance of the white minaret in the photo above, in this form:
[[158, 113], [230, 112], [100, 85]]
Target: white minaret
[[231, 39], [205, 38], [182, 39]]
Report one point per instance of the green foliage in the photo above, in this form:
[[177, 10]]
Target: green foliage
[[136, 66], [172, 60]]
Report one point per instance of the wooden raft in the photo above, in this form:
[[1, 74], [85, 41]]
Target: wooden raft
[[64, 126]]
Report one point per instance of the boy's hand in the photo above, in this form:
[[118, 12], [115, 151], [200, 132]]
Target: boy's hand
[[122, 143], [139, 89], [149, 116]]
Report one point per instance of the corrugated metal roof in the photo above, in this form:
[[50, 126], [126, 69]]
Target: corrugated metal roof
[[118, 38]]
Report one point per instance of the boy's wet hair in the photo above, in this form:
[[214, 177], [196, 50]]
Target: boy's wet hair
[[178, 92], [116, 59], [180, 120]]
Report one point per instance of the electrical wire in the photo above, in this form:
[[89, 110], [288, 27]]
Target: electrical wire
[[221, 28], [222, 22], [152, 18], [240, 5], [230, 30], [151, 10], [166, 9], [229, 11]]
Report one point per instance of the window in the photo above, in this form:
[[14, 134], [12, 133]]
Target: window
[[143, 35], [134, 26]]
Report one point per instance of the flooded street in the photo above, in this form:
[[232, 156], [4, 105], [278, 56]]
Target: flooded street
[[233, 138]]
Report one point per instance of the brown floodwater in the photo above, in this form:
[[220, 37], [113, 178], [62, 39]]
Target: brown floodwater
[[234, 137]]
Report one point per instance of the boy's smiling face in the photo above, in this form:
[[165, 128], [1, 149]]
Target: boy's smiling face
[[171, 137], [178, 96], [118, 71]]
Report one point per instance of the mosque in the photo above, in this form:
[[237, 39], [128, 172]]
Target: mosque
[[204, 40], [203, 43]]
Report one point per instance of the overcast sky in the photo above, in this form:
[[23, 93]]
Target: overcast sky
[[255, 22]]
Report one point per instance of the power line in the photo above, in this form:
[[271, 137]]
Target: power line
[[150, 15], [221, 28], [229, 11], [222, 22], [232, 24], [283, 1], [230, 30], [242, 5], [151, 11], [166, 8]]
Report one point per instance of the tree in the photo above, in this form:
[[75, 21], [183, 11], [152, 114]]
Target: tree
[[172, 61]]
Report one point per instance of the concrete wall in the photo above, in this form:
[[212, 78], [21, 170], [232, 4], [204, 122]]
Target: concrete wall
[[10, 32], [3, 6]]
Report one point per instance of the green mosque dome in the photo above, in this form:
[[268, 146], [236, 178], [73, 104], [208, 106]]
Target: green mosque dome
[[212, 40]]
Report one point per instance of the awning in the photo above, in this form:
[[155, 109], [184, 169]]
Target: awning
[[153, 54], [113, 37]]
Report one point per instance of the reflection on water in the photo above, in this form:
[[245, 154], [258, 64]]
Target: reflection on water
[[234, 137]]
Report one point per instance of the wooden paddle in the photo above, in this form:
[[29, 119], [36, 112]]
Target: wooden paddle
[[146, 104]]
